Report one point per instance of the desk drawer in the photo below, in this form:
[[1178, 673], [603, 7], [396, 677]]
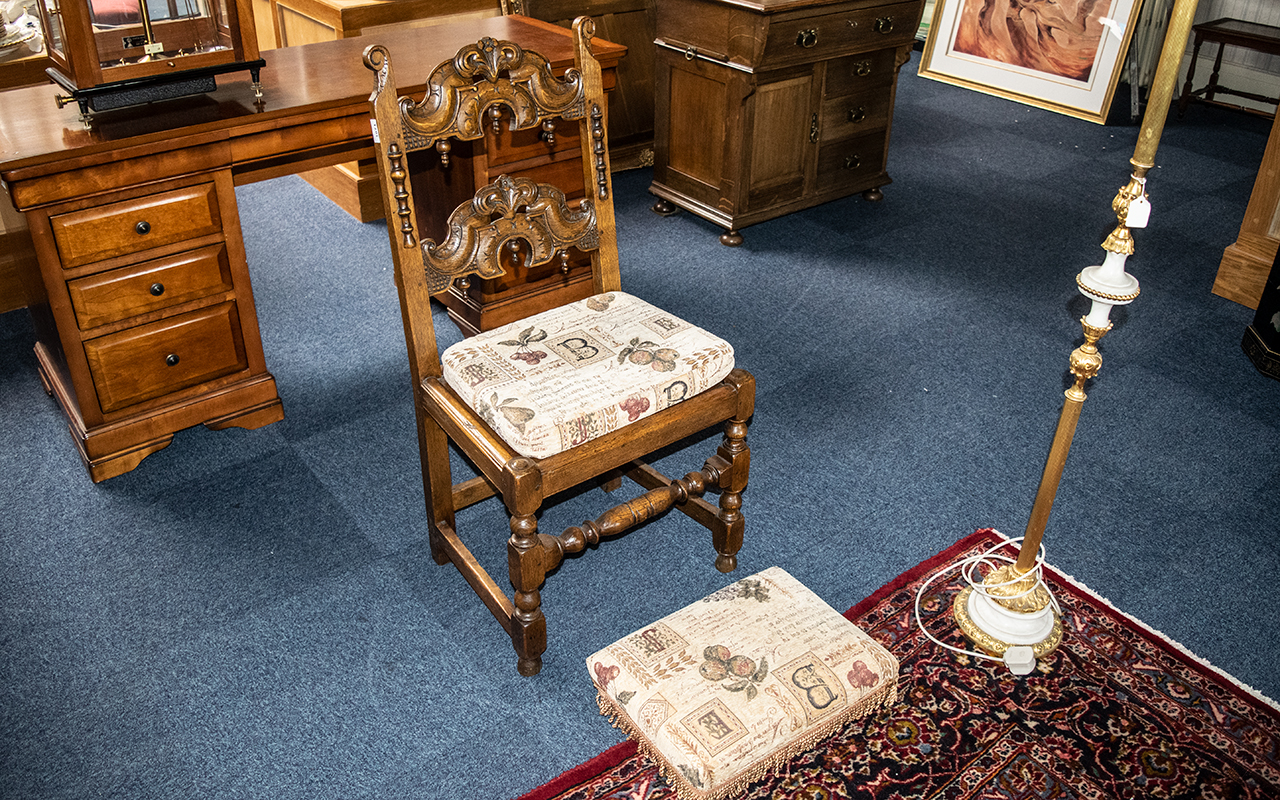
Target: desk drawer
[[822, 36], [511, 147], [149, 286], [854, 115], [851, 162], [162, 357], [131, 226], [860, 73]]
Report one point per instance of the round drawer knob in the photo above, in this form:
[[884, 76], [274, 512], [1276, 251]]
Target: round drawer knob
[[172, 359], [157, 289], [142, 228]]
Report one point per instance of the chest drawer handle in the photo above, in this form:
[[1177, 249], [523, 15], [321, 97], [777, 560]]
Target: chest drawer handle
[[807, 38], [142, 228], [157, 289], [172, 359], [884, 25], [862, 69], [855, 115], [852, 162]]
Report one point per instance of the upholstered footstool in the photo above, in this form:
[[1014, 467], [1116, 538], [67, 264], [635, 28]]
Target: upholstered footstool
[[727, 689]]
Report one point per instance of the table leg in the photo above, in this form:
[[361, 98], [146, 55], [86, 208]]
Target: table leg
[[1213, 79], [1191, 73]]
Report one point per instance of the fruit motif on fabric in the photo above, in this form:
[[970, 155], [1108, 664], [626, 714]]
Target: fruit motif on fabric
[[735, 673], [861, 676], [518, 416], [635, 405], [526, 353], [662, 359]]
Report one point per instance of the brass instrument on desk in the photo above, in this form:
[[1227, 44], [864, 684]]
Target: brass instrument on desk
[[110, 54]]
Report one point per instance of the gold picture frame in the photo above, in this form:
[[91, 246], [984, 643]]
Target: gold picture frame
[[1062, 56]]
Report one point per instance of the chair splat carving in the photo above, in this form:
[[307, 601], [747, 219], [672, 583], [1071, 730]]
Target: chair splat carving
[[574, 394], [501, 214]]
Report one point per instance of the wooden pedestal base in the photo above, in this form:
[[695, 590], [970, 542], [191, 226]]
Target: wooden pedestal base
[[116, 447]]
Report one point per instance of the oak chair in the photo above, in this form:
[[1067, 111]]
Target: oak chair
[[568, 396]]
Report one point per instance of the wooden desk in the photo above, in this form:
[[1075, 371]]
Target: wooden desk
[[353, 186], [126, 237], [1234, 32]]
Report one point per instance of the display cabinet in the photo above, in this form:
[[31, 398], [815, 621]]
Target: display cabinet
[[764, 108], [110, 54]]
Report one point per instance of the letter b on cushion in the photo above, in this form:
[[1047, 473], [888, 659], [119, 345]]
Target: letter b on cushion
[[730, 687]]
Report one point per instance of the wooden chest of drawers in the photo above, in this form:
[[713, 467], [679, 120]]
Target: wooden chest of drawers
[[766, 107], [146, 318]]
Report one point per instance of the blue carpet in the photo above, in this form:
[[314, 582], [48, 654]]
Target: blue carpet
[[255, 613]]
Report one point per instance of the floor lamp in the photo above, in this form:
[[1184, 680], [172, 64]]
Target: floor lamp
[[1010, 613]]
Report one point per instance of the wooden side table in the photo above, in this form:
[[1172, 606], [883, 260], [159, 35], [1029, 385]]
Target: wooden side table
[[1234, 32], [766, 107]]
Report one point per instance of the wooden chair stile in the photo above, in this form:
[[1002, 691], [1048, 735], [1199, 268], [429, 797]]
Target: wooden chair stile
[[613, 355]]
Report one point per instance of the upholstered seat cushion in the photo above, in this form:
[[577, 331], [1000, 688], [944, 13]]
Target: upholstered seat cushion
[[730, 687], [557, 379]]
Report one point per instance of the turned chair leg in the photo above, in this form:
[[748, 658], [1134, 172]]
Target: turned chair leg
[[526, 565], [727, 537]]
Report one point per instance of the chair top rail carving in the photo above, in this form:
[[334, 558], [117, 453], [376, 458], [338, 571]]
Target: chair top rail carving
[[530, 219], [480, 80]]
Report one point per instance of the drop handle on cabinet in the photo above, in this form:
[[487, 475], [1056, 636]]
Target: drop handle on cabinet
[[862, 69], [852, 162], [142, 228], [807, 38], [857, 114], [884, 25], [157, 289], [172, 359]]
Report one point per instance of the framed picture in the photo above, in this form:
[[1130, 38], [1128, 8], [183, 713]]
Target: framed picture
[[1064, 56]]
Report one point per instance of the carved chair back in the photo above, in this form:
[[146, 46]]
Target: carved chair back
[[491, 83]]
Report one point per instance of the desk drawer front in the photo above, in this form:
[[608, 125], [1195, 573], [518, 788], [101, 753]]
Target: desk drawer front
[[860, 73], [851, 161], [162, 357], [152, 285], [823, 36], [131, 226], [511, 147], [854, 115]]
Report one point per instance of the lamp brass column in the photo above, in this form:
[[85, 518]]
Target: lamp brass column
[[1014, 591]]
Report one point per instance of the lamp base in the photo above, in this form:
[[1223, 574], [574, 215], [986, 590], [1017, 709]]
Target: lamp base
[[994, 628]]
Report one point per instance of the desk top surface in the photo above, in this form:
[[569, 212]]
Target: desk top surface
[[300, 85]]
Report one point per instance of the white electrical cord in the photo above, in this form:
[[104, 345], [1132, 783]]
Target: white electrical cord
[[967, 567]]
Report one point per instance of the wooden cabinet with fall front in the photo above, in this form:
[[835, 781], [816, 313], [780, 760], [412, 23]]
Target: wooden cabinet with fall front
[[770, 106]]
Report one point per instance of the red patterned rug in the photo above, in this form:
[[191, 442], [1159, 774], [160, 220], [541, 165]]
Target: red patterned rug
[[1118, 711]]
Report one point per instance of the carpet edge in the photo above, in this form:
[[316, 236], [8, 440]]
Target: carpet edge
[[594, 766], [1175, 647]]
